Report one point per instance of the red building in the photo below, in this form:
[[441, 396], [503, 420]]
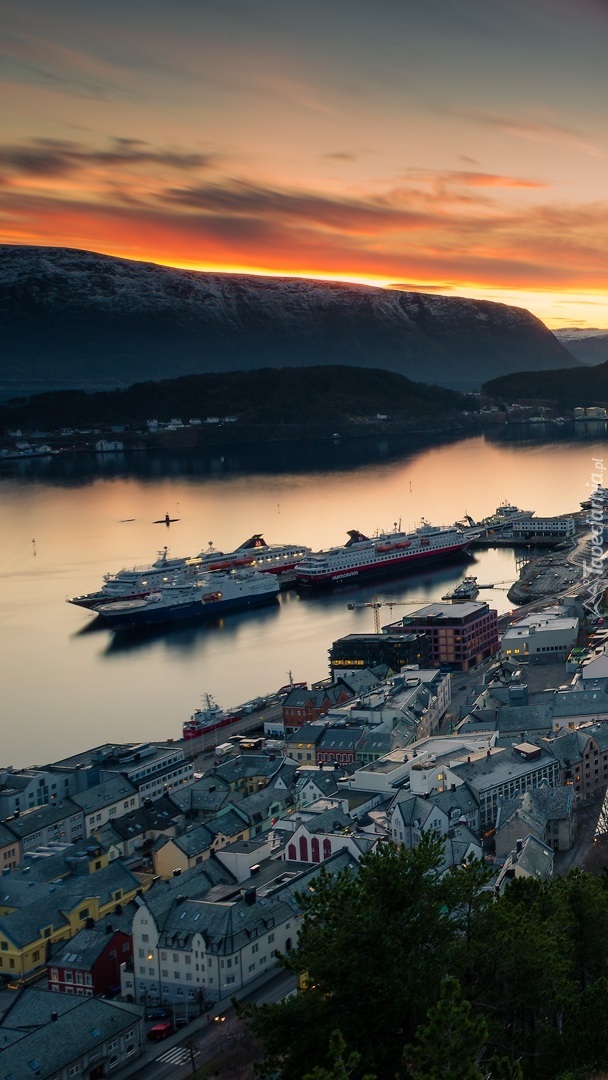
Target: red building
[[460, 635], [302, 706], [89, 963]]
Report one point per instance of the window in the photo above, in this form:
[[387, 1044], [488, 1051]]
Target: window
[[74, 1070]]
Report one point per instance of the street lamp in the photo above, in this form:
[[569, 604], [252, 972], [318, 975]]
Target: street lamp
[[151, 957]]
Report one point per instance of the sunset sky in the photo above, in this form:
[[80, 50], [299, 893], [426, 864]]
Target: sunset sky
[[453, 146]]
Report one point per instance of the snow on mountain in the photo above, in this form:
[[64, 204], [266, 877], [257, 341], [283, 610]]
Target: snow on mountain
[[589, 344], [78, 319]]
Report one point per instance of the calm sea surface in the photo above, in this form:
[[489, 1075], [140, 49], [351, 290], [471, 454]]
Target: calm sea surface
[[67, 686]]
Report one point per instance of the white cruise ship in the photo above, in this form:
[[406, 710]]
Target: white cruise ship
[[140, 581]]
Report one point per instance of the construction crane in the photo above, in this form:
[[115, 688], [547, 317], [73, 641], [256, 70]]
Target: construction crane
[[377, 603]]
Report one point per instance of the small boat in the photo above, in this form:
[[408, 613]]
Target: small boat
[[466, 590]]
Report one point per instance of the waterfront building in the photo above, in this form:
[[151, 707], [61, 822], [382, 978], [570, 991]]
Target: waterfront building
[[559, 528], [367, 650], [152, 768], [460, 635], [25, 789], [546, 634], [302, 706]]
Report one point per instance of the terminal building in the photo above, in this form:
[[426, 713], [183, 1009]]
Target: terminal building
[[526, 528]]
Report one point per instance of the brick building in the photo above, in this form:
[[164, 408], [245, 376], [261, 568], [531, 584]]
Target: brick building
[[460, 635]]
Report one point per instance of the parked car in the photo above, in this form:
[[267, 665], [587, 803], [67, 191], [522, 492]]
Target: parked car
[[161, 1030], [158, 1014]]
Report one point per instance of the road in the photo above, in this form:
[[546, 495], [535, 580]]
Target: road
[[217, 1037]]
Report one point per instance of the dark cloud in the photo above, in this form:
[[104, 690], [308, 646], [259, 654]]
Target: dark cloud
[[56, 157], [340, 155], [243, 199]]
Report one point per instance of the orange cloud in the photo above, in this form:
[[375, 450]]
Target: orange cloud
[[448, 230]]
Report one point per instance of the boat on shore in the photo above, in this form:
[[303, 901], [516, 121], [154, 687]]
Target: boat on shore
[[364, 557], [207, 718], [140, 581], [213, 594]]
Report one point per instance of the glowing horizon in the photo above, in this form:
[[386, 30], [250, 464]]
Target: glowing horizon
[[455, 149]]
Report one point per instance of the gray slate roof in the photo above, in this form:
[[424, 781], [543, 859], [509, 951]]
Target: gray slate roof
[[83, 1024], [104, 794]]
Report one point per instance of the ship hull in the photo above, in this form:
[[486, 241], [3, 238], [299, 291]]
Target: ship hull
[[159, 615], [377, 569]]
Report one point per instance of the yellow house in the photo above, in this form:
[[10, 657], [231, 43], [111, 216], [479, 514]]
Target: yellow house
[[35, 913]]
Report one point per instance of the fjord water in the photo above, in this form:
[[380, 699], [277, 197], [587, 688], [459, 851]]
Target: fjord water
[[68, 685]]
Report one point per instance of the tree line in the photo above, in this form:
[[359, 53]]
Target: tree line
[[412, 975], [266, 396]]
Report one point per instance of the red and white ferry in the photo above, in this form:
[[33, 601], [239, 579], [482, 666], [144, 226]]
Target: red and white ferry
[[207, 719], [361, 557]]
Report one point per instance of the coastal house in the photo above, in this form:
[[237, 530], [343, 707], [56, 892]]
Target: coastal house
[[301, 743], [203, 799], [247, 773], [338, 745], [312, 784]]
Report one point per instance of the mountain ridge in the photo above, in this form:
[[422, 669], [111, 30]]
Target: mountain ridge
[[77, 319]]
